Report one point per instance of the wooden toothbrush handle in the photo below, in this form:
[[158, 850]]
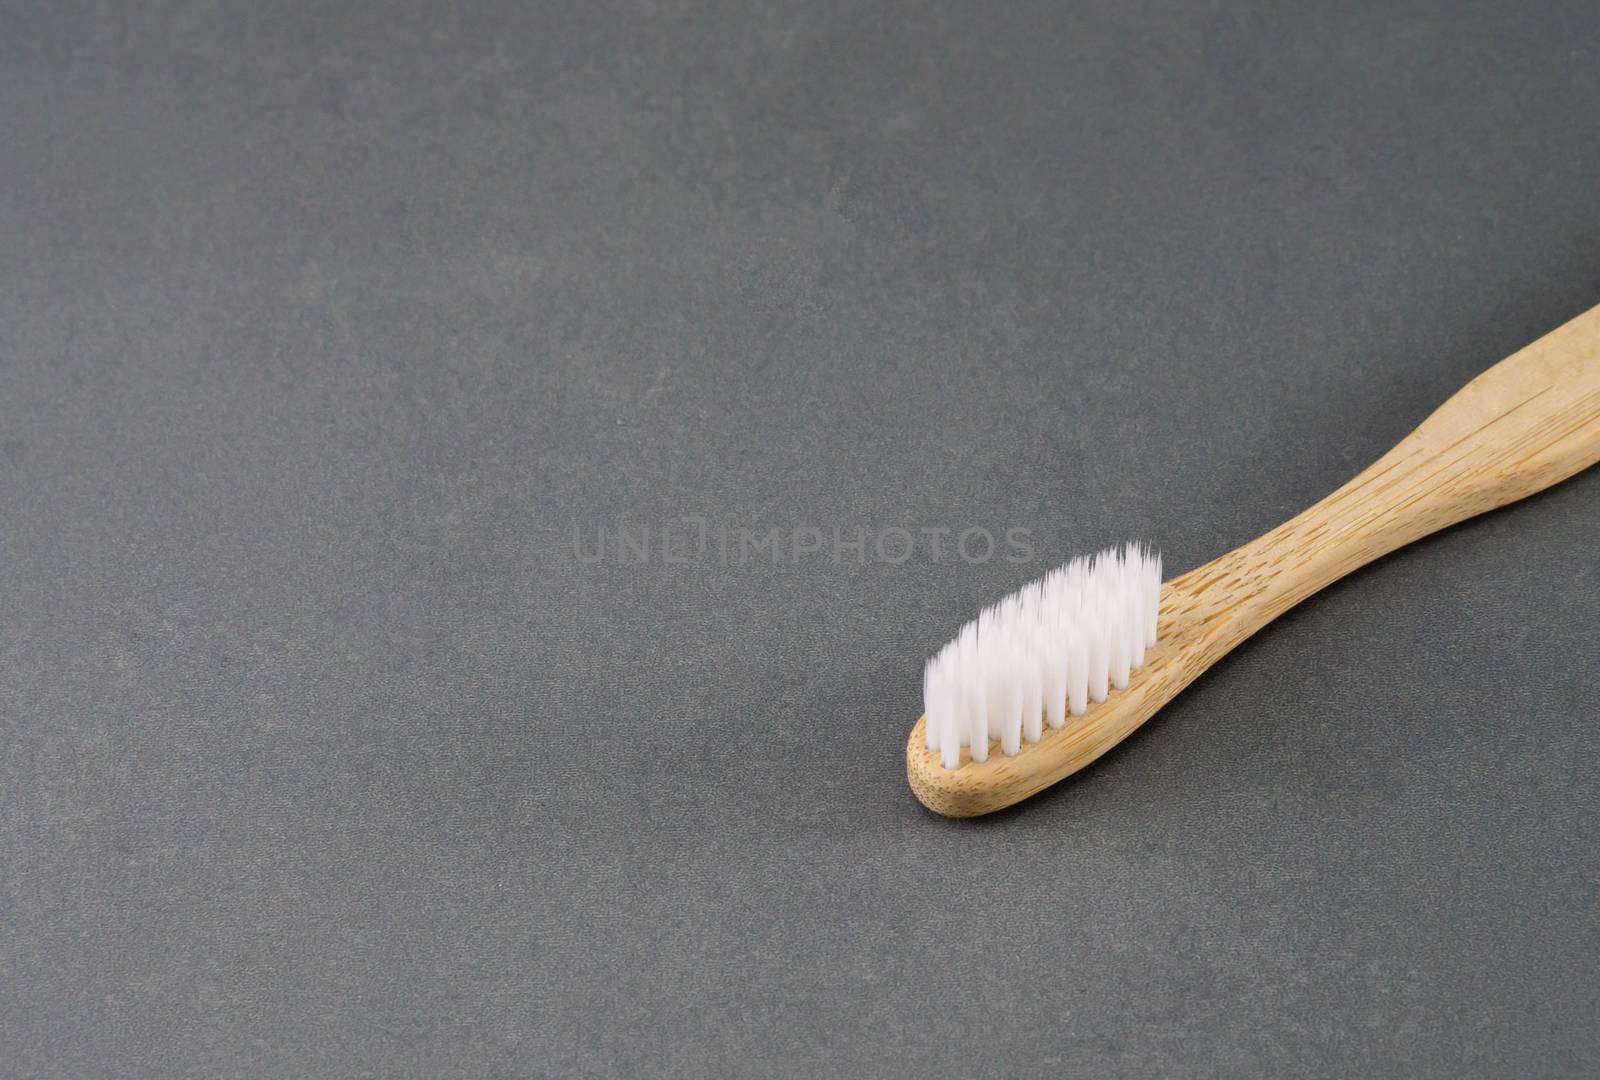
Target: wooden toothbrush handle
[[1529, 422]]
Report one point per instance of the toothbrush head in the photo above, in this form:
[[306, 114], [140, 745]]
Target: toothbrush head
[[1041, 655]]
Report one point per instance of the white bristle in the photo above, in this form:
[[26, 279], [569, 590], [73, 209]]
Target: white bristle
[[1042, 654], [1099, 659], [1030, 686], [1077, 671], [1052, 674]]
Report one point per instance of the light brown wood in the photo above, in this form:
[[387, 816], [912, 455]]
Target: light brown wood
[[1527, 423]]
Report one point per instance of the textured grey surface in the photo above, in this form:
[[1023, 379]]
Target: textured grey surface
[[321, 333]]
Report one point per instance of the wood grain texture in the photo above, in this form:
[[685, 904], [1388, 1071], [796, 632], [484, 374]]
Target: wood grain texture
[[1527, 423]]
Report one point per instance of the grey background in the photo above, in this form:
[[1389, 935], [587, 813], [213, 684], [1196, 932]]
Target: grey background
[[321, 331]]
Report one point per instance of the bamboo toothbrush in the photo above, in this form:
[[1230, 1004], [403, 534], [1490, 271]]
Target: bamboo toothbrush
[[1049, 679]]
